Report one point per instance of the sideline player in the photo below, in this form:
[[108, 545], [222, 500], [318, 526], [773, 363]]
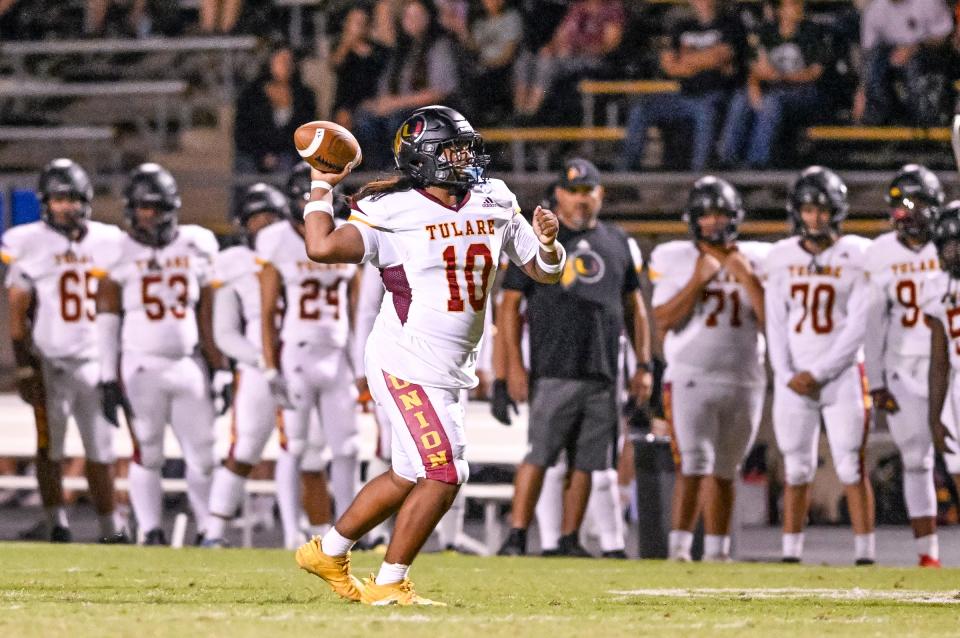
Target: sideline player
[[314, 365], [50, 264], [436, 230], [817, 299], [158, 279], [708, 299], [897, 344], [236, 322], [941, 308]]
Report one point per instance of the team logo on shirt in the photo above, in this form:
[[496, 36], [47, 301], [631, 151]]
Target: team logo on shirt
[[583, 265]]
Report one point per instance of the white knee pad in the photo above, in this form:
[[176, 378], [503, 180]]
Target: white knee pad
[[151, 456], [602, 479], [849, 468], [315, 458], [463, 470], [799, 469], [296, 448], [917, 459]]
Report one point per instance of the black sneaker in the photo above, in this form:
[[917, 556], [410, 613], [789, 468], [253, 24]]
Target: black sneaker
[[548, 553], [155, 537], [516, 543], [36, 532], [570, 546], [864, 562], [60, 534], [198, 541], [616, 553], [791, 560], [117, 538]]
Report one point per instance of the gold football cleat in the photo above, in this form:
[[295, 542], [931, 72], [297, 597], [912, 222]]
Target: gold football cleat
[[335, 570], [401, 593]]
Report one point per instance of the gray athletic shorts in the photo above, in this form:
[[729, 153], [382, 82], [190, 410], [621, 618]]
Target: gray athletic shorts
[[573, 415]]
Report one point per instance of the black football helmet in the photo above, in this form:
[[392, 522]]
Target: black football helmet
[[298, 190], [714, 194], [260, 198], [915, 196], [946, 237], [152, 186], [65, 178], [821, 186], [421, 141]]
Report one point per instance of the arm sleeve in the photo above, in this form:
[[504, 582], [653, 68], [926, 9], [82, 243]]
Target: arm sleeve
[[631, 279], [843, 354], [875, 337], [519, 241], [228, 328], [368, 307], [107, 326], [778, 348]]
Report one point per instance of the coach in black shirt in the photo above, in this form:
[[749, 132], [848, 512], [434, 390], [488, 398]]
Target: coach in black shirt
[[575, 327]]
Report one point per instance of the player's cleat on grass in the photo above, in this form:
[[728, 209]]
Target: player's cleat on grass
[[550, 553], [790, 560], [334, 570], [155, 537], [36, 532], [864, 562], [615, 553], [117, 538], [929, 561], [716, 558], [515, 545], [214, 543], [60, 534], [401, 593], [570, 546]]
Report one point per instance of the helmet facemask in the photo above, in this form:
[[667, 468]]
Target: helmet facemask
[[913, 218], [158, 231], [75, 223]]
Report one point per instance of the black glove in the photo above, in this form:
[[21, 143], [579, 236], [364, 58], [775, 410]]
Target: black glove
[[112, 398], [500, 402]]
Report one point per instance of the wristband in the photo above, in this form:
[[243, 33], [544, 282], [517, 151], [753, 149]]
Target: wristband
[[318, 207], [319, 183], [646, 366], [270, 374], [551, 248], [551, 269], [24, 372]]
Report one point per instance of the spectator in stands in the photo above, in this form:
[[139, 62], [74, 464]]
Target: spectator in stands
[[492, 42], [703, 56], [903, 45], [590, 30], [782, 85], [219, 16], [137, 19], [357, 60], [422, 70], [268, 112]]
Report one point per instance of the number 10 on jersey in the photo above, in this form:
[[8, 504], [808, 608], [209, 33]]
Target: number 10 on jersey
[[470, 267]]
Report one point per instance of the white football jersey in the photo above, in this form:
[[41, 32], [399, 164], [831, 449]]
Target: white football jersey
[[438, 264], [816, 307], [238, 269], [60, 273], [721, 341], [317, 309], [161, 288], [896, 329], [941, 301]]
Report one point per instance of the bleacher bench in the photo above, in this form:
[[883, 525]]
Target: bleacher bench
[[519, 138]]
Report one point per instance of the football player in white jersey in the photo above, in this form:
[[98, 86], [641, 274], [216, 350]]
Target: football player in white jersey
[[236, 322], [436, 231], [941, 308], [158, 279], [708, 300], [49, 264], [817, 300], [314, 365], [897, 344]]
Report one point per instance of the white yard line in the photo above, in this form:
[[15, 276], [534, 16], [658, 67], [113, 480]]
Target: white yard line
[[898, 595]]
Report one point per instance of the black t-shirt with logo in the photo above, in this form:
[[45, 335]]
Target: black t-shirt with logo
[[575, 325], [690, 34], [808, 45]]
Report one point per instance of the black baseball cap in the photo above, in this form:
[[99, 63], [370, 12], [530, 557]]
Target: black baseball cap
[[579, 172]]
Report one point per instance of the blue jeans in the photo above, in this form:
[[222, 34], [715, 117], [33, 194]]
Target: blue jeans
[[667, 108], [778, 105], [375, 134]]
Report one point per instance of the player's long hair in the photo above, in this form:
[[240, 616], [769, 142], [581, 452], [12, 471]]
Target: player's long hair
[[380, 187]]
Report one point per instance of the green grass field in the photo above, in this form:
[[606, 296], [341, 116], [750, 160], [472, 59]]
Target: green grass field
[[84, 590]]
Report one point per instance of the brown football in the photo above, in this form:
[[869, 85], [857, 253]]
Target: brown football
[[327, 146]]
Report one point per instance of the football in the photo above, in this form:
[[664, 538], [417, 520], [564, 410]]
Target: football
[[327, 146]]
